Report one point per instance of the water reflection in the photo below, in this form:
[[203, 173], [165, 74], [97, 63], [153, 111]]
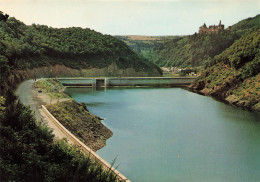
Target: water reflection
[[170, 134]]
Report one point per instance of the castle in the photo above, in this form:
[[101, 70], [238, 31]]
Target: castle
[[211, 29]]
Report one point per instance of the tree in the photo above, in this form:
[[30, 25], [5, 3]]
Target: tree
[[3, 17]]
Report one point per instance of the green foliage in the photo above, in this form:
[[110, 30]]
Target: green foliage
[[246, 25], [52, 87], [244, 50], [249, 89], [28, 152], [33, 46], [3, 17], [251, 68], [236, 72], [146, 46], [200, 49], [2, 107], [194, 50]]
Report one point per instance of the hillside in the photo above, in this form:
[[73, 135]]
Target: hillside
[[245, 25], [235, 75], [145, 45], [229, 61], [200, 49], [37, 46], [28, 149]]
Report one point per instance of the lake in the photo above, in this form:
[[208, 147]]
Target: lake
[[171, 134]]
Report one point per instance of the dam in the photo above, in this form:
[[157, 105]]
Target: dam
[[128, 81]]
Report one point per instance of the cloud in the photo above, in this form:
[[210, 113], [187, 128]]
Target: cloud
[[152, 17]]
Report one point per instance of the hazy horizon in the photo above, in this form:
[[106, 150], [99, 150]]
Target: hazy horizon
[[132, 17]]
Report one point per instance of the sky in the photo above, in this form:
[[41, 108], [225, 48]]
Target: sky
[[132, 17]]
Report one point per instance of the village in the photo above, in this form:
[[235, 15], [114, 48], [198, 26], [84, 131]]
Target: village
[[175, 71]]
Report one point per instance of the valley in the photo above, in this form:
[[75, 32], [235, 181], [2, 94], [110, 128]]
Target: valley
[[193, 130]]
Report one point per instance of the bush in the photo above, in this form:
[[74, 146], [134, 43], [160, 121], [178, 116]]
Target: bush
[[29, 153]]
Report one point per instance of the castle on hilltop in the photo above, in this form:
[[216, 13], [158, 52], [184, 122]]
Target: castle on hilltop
[[211, 28]]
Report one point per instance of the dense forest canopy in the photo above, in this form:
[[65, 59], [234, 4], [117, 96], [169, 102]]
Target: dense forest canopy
[[33, 46], [191, 51], [244, 53], [145, 45], [3, 17]]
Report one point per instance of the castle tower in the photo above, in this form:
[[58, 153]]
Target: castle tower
[[211, 29], [220, 26], [203, 28]]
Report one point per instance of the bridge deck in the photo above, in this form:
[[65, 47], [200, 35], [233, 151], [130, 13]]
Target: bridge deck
[[127, 81]]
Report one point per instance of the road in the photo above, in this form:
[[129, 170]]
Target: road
[[26, 93], [29, 96]]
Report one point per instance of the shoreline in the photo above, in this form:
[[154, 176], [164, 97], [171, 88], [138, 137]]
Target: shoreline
[[88, 128], [29, 96], [227, 100]]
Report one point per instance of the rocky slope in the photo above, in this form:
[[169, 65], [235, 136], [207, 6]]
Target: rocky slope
[[87, 127]]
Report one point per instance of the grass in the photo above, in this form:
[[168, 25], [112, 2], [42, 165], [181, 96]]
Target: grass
[[52, 87]]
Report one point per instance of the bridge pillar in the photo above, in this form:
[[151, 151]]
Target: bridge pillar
[[106, 82], [94, 82]]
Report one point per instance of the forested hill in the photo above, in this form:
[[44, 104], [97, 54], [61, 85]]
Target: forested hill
[[34, 46], [235, 74], [200, 49], [28, 149], [145, 45]]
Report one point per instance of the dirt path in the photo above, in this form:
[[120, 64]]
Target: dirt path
[[30, 96]]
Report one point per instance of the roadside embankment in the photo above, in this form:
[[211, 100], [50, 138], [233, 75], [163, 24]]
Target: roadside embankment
[[74, 116], [29, 94], [93, 156], [78, 120]]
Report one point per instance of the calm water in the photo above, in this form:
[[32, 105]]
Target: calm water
[[170, 134]]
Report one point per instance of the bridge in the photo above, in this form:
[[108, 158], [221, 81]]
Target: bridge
[[128, 81]]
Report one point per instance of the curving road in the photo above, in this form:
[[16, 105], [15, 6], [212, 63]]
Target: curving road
[[26, 94], [29, 96]]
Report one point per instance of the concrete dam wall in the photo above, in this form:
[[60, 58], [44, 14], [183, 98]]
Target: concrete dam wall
[[128, 81]]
